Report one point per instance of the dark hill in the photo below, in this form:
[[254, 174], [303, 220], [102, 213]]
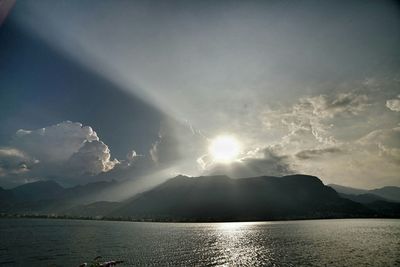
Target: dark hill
[[49, 197], [363, 198], [37, 191], [388, 192], [220, 198]]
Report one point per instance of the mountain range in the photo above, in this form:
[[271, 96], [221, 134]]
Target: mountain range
[[390, 193], [49, 197], [207, 198]]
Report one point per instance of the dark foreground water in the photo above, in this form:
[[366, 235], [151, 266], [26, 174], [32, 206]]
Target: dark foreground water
[[41, 242]]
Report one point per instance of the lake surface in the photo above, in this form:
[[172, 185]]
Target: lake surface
[[359, 242]]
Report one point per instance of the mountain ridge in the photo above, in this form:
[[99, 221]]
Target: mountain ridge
[[388, 193], [257, 198], [204, 198]]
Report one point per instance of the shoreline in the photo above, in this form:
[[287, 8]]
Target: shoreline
[[83, 218]]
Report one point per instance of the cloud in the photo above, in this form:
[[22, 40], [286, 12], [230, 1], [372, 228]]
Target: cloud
[[325, 106], [68, 146], [66, 151], [73, 154], [132, 156], [322, 138], [373, 159], [259, 162], [317, 153], [92, 158], [14, 161], [393, 104], [54, 143], [308, 143], [383, 142], [165, 149], [309, 121], [178, 142]]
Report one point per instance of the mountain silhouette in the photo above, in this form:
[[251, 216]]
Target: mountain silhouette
[[387, 193], [363, 198], [49, 196], [205, 198], [39, 190], [220, 198]]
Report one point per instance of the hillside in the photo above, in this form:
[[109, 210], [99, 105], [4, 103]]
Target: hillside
[[205, 198], [387, 193], [217, 198]]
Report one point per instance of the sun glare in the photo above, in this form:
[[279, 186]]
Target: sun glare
[[224, 148]]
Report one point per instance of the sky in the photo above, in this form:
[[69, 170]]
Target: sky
[[94, 90]]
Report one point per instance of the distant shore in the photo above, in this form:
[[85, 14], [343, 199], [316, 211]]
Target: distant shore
[[99, 218]]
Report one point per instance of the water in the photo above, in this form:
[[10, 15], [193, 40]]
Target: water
[[360, 242]]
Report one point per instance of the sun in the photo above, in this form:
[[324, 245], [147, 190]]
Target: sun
[[224, 148]]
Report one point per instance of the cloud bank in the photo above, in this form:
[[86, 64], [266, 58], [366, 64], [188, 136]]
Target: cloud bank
[[64, 150], [315, 144]]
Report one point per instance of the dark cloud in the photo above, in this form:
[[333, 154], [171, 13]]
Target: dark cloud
[[178, 141], [317, 153], [14, 161], [166, 149]]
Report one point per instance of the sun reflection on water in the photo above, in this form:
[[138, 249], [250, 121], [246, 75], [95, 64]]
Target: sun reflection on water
[[234, 244], [236, 225]]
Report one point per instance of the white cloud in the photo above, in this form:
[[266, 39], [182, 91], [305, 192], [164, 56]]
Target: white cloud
[[325, 106], [393, 104], [92, 158], [313, 146], [309, 121], [383, 142], [371, 160], [66, 150], [54, 143]]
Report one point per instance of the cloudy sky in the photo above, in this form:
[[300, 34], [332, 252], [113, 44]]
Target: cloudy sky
[[94, 90]]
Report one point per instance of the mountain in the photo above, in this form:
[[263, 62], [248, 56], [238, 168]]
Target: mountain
[[220, 198], [388, 193], [88, 193], [206, 198], [347, 190], [37, 191], [49, 196], [363, 198], [6, 196]]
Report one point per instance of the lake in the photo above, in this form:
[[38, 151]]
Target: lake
[[348, 242]]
